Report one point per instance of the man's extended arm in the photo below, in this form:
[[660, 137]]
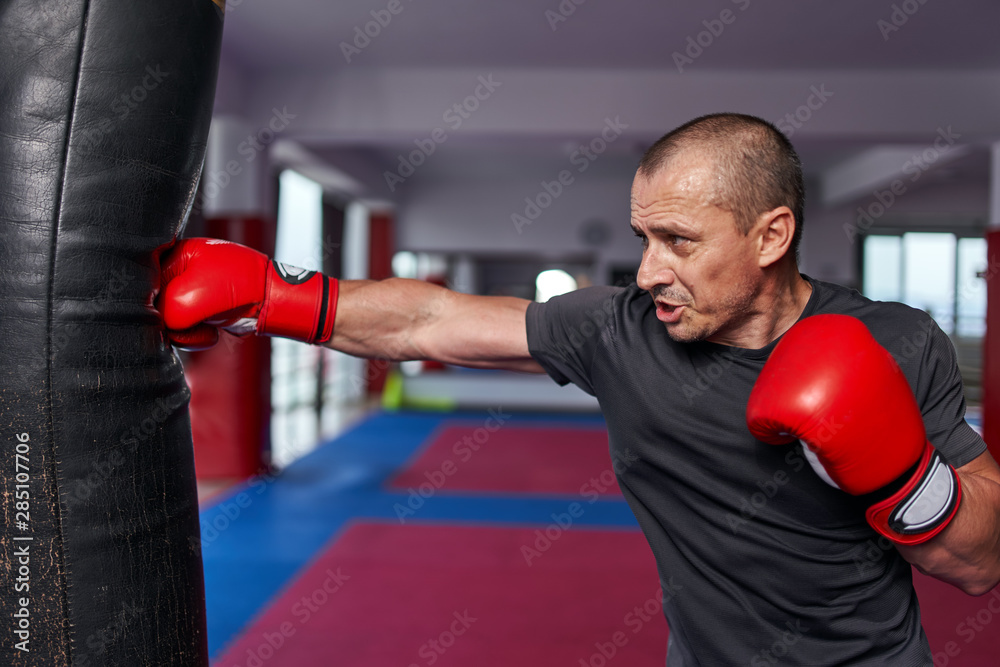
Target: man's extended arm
[[966, 553], [400, 319], [209, 284]]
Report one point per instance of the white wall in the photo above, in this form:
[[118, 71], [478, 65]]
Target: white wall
[[473, 213]]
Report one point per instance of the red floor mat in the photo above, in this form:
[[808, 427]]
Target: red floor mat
[[964, 631], [385, 595], [516, 460]]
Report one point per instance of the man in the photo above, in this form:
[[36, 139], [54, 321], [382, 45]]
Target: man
[[766, 560]]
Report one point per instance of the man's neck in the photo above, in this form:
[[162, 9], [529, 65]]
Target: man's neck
[[775, 310]]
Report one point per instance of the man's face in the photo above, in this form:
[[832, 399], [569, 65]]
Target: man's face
[[701, 271]]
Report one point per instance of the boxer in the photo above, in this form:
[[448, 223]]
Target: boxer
[[768, 561]]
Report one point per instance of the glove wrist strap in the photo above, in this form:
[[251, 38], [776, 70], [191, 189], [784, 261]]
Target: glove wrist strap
[[923, 506], [298, 304]]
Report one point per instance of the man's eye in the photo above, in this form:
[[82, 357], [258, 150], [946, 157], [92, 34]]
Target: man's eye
[[678, 240]]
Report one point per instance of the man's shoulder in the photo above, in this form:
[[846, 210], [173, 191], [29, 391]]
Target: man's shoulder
[[902, 329], [839, 299], [603, 297]]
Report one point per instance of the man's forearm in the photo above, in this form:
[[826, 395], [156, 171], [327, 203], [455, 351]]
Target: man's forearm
[[967, 553], [382, 319], [400, 319]]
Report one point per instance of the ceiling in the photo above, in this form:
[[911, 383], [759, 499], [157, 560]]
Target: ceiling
[[268, 39], [267, 35]]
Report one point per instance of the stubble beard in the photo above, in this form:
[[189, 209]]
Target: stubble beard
[[735, 309]]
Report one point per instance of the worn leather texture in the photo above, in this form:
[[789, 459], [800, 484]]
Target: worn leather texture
[[104, 115]]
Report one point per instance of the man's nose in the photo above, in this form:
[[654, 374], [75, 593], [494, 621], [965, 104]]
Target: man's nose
[[655, 269]]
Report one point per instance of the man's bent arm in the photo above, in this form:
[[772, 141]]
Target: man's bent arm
[[401, 319], [967, 553]]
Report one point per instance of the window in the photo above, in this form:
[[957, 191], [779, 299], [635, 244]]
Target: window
[[971, 295], [553, 282], [937, 272], [294, 366]]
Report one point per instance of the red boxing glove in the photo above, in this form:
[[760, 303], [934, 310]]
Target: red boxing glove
[[831, 385], [208, 283]]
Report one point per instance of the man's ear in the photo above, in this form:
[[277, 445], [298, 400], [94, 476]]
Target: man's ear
[[776, 229]]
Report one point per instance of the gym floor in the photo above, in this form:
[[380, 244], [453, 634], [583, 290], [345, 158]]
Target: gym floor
[[462, 538]]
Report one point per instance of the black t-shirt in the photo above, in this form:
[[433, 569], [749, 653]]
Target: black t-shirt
[[761, 561]]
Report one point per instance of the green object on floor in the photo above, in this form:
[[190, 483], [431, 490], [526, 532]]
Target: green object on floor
[[394, 398]]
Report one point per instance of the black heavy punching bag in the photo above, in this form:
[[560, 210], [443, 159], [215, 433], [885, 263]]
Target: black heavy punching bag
[[104, 112]]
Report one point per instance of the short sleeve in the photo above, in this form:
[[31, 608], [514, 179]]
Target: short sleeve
[[565, 333], [941, 397]]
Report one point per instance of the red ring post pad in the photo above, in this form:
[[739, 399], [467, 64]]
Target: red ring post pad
[[104, 114]]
